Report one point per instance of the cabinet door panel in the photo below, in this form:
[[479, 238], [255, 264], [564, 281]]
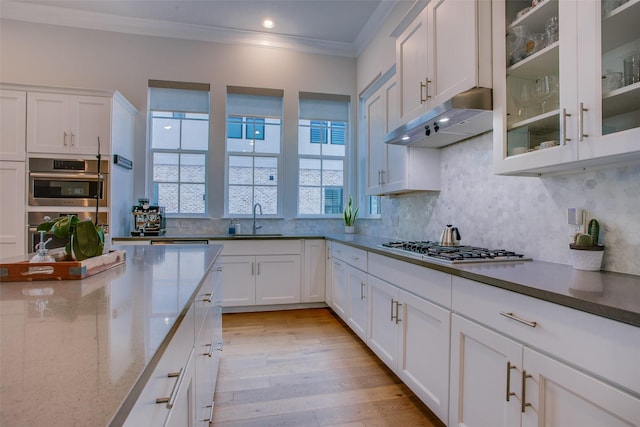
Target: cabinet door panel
[[278, 279], [383, 329], [48, 123], [204, 354], [13, 119], [424, 350], [479, 360], [358, 304], [314, 271], [239, 280], [13, 228], [376, 130], [339, 294], [412, 68], [90, 120], [562, 396]]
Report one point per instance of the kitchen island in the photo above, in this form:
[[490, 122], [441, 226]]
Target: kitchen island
[[79, 352]]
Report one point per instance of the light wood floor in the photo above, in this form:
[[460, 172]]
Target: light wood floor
[[306, 368]]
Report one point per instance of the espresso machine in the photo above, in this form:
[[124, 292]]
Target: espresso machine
[[148, 220]]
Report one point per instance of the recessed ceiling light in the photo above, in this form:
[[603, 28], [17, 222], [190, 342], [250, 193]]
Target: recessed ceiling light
[[268, 23]]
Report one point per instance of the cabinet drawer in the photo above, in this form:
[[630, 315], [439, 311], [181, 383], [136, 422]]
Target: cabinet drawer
[[607, 348], [260, 247], [352, 256], [424, 282]]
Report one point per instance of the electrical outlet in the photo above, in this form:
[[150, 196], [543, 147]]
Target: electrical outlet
[[574, 216]]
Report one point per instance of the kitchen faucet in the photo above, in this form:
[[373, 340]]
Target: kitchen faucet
[[257, 205]]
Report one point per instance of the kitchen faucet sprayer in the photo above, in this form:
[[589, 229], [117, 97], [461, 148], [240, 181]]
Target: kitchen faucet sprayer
[[257, 205]]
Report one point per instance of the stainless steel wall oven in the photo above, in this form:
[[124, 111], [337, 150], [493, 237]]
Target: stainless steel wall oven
[[62, 182]]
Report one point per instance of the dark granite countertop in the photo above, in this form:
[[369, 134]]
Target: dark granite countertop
[[612, 295]]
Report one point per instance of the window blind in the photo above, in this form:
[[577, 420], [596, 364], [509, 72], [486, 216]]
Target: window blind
[[254, 102], [318, 106], [178, 96]]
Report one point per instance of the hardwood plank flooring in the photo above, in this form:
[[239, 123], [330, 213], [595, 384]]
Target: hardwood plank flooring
[[306, 368]]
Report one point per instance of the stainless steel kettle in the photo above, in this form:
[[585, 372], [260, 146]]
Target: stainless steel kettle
[[450, 236]]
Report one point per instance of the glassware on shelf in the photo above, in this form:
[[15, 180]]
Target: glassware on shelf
[[631, 66], [535, 43], [611, 81], [516, 39], [524, 102], [546, 93], [551, 29]]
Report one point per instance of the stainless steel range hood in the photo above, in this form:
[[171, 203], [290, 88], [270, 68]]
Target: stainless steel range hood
[[463, 116]]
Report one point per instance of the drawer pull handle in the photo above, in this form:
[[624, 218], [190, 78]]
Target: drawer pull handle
[[398, 319], [210, 419], [524, 391], [519, 319], [509, 392], [362, 285], [209, 297], [392, 303], [353, 257], [210, 352], [171, 400]]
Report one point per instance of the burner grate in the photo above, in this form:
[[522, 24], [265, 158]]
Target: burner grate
[[452, 254]]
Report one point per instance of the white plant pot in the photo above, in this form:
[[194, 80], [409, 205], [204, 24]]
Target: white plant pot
[[586, 259], [349, 229]]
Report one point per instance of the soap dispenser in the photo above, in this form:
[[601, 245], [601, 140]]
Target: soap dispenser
[[42, 255]]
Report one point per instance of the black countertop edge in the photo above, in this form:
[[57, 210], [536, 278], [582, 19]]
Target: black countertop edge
[[623, 315]]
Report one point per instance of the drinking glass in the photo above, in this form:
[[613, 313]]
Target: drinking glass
[[552, 30], [525, 101], [546, 93]]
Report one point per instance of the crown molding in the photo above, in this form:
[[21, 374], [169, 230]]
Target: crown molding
[[51, 15]]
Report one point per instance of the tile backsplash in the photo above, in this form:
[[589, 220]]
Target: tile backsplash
[[524, 214]]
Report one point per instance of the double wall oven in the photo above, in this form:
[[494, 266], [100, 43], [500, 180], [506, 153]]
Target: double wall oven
[[66, 186]]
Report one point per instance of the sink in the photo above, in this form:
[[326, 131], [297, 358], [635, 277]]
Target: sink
[[256, 236]]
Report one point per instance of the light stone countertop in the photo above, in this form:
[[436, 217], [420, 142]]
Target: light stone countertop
[[72, 350]]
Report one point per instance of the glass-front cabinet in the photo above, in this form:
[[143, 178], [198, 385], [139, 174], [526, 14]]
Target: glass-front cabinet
[[566, 84]]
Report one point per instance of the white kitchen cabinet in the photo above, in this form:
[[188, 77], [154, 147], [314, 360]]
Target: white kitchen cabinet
[[313, 289], [411, 335], [13, 223], [585, 124], [357, 309], [63, 123], [518, 361], [251, 277], [441, 53], [328, 274], [393, 169], [339, 288], [180, 390], [487, 374], [13, 116]]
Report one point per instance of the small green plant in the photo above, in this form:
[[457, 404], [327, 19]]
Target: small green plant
[[350, 214], [588, 240], [86, 240]]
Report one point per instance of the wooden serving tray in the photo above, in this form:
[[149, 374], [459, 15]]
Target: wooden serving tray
[[24, 271]]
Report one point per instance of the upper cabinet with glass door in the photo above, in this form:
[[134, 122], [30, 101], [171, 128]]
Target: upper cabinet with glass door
[[560, 102]]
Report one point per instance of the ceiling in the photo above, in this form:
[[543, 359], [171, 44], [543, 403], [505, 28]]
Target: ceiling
[[337, 27]]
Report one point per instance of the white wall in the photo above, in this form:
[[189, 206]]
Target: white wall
[[60, 56]]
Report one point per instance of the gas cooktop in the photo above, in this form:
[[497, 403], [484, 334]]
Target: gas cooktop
[[432, 251]]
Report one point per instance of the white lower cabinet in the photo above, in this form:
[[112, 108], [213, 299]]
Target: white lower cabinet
[[261, 272], [518, 361], [339, 287], [180, 390], [313, 285], [496, 381], [411, 336], [357, 309], [13, 222]]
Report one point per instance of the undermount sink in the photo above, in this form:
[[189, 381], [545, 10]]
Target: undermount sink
[[257, 236]]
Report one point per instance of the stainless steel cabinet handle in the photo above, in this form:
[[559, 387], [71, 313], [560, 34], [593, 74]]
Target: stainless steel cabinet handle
[[64, 139], [210, 419], [171, 400], [398, 319], [258, 269], [509, 392], [209, 297], [524, 391], [72, 135], [210, 352], [426, 88], [519, 319], [564, 126], [353, 257], [252, 272], [382, 172], [392, 303], [362, 285], [422, 86], [581, 123]]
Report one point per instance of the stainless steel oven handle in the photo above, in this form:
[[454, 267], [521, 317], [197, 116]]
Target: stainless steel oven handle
[[66, 175]]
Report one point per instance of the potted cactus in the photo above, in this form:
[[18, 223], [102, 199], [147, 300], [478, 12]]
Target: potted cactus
[[586, 253]]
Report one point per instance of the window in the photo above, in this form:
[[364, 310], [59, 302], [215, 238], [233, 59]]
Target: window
[[253, 159], [322, 135], [179, 141]]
